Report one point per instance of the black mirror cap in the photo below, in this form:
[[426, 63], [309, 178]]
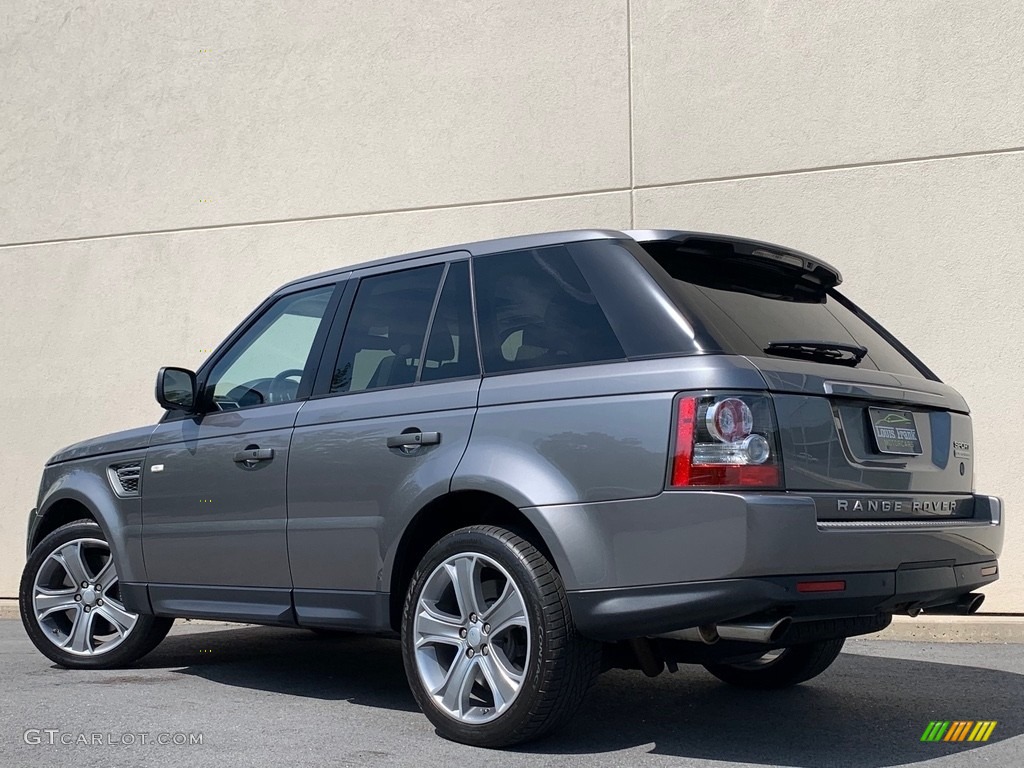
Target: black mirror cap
[[176, 389]]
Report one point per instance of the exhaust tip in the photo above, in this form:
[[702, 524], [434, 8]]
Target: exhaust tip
[[755, 632], [974, 602], [708, 634], [965, 605], [780, 629]]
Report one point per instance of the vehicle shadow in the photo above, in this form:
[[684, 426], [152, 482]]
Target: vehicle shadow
[[864, 712]]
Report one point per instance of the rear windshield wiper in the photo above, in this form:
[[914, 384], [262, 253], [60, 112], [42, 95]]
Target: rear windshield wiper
[[819, 351]]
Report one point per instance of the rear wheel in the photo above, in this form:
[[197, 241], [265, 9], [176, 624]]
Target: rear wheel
[[780, 668], [71, 604], [489, 646]]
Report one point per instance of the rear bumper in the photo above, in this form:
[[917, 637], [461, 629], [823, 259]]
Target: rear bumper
[[620, 614], [684, 558]]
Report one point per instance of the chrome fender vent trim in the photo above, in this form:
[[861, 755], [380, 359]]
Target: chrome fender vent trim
[[125, 477]]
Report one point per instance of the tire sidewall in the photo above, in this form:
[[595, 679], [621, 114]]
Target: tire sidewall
[[509, 556]]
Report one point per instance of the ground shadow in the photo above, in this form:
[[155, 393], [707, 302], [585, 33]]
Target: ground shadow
[[864, 712], [358, 668]]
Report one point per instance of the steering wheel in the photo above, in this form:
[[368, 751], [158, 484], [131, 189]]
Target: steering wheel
[[281, 390]]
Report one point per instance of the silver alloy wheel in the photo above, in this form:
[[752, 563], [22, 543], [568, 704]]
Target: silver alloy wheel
[[77, 601], [472, 638]]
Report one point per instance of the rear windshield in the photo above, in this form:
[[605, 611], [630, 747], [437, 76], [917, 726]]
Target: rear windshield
[[742, 304]]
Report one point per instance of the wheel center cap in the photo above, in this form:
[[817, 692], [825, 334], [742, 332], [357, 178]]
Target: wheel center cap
[[474, 636], [89, 596]]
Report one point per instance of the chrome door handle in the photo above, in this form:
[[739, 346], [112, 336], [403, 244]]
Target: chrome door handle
[[414, 439], [250, 456]]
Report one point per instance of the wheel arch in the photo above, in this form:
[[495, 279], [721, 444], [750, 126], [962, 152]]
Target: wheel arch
[[79, 494], [60, 512], [443, 515]]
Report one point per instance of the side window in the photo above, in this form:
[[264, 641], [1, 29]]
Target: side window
[[269, 362], [451, 349], [536, 310], [385, 330]]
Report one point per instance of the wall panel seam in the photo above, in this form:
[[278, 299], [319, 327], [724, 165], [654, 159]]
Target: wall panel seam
[[629, 97], [323, 217], [831, 168]]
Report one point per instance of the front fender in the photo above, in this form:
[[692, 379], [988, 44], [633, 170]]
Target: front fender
[[120, 519]]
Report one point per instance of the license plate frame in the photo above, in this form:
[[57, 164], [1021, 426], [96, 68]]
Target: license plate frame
[[895, 431]]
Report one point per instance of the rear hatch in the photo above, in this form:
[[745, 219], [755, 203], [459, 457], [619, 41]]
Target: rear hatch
[[860, 419]]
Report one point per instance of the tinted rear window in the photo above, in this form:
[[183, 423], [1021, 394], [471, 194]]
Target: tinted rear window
[[537, 310], [742, 304]]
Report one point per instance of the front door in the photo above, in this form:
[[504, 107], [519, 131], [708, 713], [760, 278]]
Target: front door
[[383, 440], [214, 492]]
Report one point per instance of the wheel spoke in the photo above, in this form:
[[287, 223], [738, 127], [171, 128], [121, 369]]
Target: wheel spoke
[[80, 637], [117, 616], [70, 558], [503, 686], [502, 662], [432, 626], [463, 574], [49, 601], [107, 575], [507, 611], [454, 691]]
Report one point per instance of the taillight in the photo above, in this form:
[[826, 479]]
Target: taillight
[[725, 440]]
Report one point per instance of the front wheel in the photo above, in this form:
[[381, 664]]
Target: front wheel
[[71, 604], [490, 649], [781, 668]]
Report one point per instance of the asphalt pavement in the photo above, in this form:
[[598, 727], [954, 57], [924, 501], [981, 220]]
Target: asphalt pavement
[[270, 697]]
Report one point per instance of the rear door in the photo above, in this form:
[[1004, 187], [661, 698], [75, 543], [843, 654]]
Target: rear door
[[879, 426], [387, 426]]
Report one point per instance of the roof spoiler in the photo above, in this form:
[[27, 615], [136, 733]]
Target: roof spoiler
[[815, 269]]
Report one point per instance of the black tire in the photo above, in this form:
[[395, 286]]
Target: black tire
[[140, 639], [794, 665], [560, 665]]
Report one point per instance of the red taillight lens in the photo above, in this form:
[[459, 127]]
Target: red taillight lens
[[685, 427], [725, 442]]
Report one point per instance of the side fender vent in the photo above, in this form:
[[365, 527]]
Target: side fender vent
[[125, 478]]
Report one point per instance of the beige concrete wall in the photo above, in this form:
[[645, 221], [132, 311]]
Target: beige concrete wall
[[162, 169]]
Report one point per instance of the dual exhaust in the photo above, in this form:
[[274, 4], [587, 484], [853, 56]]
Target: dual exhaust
[[750, 632], [766, 632]]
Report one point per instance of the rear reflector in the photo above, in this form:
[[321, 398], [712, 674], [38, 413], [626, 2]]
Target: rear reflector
[[990, 570], [821, 586]]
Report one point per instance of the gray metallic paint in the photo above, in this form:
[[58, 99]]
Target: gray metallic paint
[[84, 481], [683, 536], [246, 506], [350, 496]]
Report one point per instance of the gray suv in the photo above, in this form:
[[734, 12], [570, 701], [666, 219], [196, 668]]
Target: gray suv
[[533, 458]]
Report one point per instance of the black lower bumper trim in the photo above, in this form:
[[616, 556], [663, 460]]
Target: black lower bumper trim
[[621, 614]]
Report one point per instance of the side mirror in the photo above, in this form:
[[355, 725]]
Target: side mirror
[[176, 389]]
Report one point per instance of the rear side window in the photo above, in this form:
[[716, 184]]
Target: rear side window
[[744, 304], [451, 348], [386, 329], [536, 310]]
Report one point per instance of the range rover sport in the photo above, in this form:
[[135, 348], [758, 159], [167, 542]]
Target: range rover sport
[[533, 458]]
